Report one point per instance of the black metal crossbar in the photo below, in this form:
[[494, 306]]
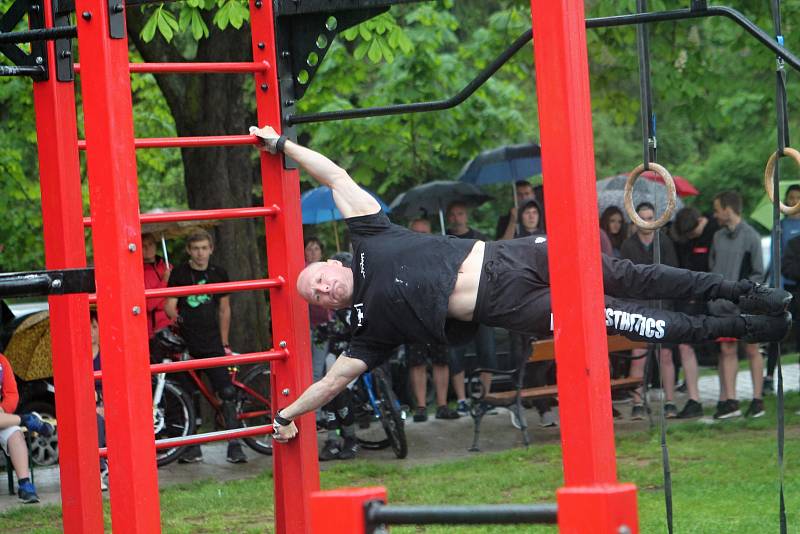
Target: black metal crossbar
[[43, 283], [377, 513], [11, 70], [699, 11], [32, 36]]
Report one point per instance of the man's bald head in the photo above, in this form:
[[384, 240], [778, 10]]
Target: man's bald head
[[328, 284]]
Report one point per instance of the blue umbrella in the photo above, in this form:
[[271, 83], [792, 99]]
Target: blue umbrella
[[504, 164], [318, 206]]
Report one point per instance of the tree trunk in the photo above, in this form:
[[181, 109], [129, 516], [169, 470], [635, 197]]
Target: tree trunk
[[222, 177]]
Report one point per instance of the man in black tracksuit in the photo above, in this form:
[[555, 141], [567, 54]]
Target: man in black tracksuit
[[411, 287]]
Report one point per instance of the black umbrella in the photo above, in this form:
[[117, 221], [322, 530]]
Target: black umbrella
[[434, 197]]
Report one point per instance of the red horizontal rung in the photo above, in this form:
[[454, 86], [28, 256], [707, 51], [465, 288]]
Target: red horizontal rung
[[202, 215], [194, 68], [217, 361], [223, 287], [222, 435], [178, 142]]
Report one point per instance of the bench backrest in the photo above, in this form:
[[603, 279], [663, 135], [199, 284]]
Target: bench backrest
[[545, 349]]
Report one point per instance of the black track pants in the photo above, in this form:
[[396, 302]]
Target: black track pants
[[514, 293]]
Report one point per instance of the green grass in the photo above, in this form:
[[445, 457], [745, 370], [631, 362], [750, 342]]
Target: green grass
[[724, 481]]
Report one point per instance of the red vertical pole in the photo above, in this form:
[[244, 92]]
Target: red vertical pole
[[587, 433], [111, 161], [296, 468], [60, 181]]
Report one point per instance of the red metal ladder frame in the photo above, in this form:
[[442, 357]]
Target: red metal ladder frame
[[115, 220]]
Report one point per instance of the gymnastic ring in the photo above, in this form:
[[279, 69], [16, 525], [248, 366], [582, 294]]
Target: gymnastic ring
[[671, 197], [769, 173]]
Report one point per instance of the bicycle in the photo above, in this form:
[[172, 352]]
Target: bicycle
[[373, 397], [173, 406]]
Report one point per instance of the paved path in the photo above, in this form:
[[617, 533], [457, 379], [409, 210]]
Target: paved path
[[429, 442]]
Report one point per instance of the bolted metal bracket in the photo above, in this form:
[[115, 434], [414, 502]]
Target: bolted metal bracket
[[65, 71], [116, 19]]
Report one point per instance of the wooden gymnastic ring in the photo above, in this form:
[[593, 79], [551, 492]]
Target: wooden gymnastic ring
[[630, 209], [769, 172]]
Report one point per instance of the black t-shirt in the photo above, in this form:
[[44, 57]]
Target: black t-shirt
[[693, 254], [199, 313], [402, 282]]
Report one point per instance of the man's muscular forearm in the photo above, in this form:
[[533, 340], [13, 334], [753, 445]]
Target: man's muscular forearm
[[317, 395]]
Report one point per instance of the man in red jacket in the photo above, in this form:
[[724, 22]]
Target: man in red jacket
[[11, 439]]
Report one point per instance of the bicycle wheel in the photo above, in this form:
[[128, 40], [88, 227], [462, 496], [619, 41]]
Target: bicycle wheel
[[254, 408], [173, 417], [390, 415]]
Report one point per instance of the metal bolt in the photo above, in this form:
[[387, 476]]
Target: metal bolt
[[131, 247], [65, 54], [87, 15], [282, 344], [136, 310], [285, 393], [261, 46], [264, 87], [39, 60], [624, 529], [285, 53], [258, 4], [118, 7], [55, 284]]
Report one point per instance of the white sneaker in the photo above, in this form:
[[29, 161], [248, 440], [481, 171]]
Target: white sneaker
[[104, 480]]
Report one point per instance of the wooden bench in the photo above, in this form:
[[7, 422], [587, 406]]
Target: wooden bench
[[543, 350]]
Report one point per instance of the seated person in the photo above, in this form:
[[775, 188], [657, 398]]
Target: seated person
[[11, 439], [98, 396]]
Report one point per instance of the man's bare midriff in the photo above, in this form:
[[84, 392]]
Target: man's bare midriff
[[461, 304]]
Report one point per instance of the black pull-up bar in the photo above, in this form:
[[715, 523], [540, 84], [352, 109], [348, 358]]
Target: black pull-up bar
[[377, 513], [698, 10], [32, 36]]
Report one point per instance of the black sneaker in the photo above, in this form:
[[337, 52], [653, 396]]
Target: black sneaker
[[192, 455], [762, 328], [421, 415], [638, 412], [330, 450], [756, 409], [691, 409], [727, 409], [443, 412], [769, 386], [235, 453], [349, 449], [27, 492], [670, 411], [616, 414], [764, 300]]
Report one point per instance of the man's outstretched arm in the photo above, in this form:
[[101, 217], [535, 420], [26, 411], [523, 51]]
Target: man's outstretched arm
[[343, 371], [351, 200]]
